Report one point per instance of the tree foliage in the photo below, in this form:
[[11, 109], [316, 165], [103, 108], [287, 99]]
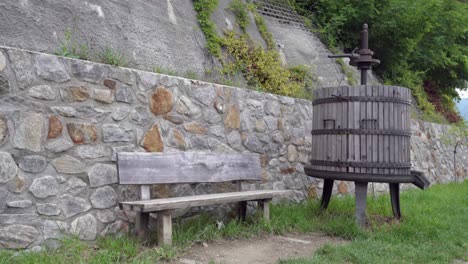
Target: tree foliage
[[420, 42]]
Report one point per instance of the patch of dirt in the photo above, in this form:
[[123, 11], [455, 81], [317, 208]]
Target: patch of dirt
[[259, 250]]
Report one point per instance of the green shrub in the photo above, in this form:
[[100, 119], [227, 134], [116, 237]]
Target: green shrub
[[204, 9], [112, 57], [71, 49], [240, 11], [260, 68]]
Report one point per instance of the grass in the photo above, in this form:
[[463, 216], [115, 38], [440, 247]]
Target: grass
[[433, 230]]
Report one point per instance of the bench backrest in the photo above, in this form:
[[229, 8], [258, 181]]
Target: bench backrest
[[186, 167]]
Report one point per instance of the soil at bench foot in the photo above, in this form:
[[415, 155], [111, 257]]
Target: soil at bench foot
[[260, 250]]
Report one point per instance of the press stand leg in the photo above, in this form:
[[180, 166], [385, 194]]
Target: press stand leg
[[361, 195], [395, 198], [326, 194]]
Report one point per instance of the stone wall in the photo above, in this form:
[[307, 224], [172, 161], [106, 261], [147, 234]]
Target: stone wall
[[63, 120]]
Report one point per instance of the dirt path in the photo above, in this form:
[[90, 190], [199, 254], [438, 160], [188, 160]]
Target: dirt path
[[260, 250]]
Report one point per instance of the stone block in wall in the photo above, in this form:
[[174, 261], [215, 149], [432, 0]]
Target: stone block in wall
[[21, 64], [88, 71], [42, 92], [161, 101], [102, 174], [17, 236], [29, 132], [84, 227], [8, 168], [74, 93], [51, 68], [82, 133], [116, 133], [69, 165]]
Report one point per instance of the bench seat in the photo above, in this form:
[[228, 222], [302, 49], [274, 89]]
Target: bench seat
[[174, 203], [145, 169]]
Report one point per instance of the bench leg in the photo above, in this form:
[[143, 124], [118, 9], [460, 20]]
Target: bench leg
[[264, 209], [141, 225], [242, 211], [164, 228]]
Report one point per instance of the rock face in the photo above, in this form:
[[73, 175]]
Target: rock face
[[33, 163], [152, 140], [62, 123], [233, 118], [161, 101], [17, 236], [103, 197], [74, 94], [50, 68], [72, 206], [48, 209], [29, 133], [85, 227], [42, 92], [44, 187], [3, 130], [67, 164], [116, 133], [8, 168], [82, 133], [55, 127], [102, 174]]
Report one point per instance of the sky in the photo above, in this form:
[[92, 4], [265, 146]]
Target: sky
[[463, 94]]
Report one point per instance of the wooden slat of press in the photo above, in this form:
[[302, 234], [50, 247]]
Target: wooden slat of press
[[369, 137], [201, 200], [386, 126], [375, 115], [403, 127], [406, 125], [338, 116], [397, 139], [381, 126], [333, 138], [314, 126], [391, 125], [323, 138], [319, 126], [327, 113], [362, 140], [186, 167], [400, 122], [350, 105], [344, 124], [357, 149]]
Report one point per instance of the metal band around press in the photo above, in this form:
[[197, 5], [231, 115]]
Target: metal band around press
[[343, 131], [340, 99], [358, 164]]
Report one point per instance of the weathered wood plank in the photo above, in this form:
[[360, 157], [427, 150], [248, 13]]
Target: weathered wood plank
[[186, 167], [201, 200], [391, 125], [362, 140], [357, 149], [351, 126], [164, 228], [264, 209], [369, 117], [386, 126], [375, 115], [337, 112], [381, 126], [344, 124]]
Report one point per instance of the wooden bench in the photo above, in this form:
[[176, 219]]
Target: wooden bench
[[144, 169]]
